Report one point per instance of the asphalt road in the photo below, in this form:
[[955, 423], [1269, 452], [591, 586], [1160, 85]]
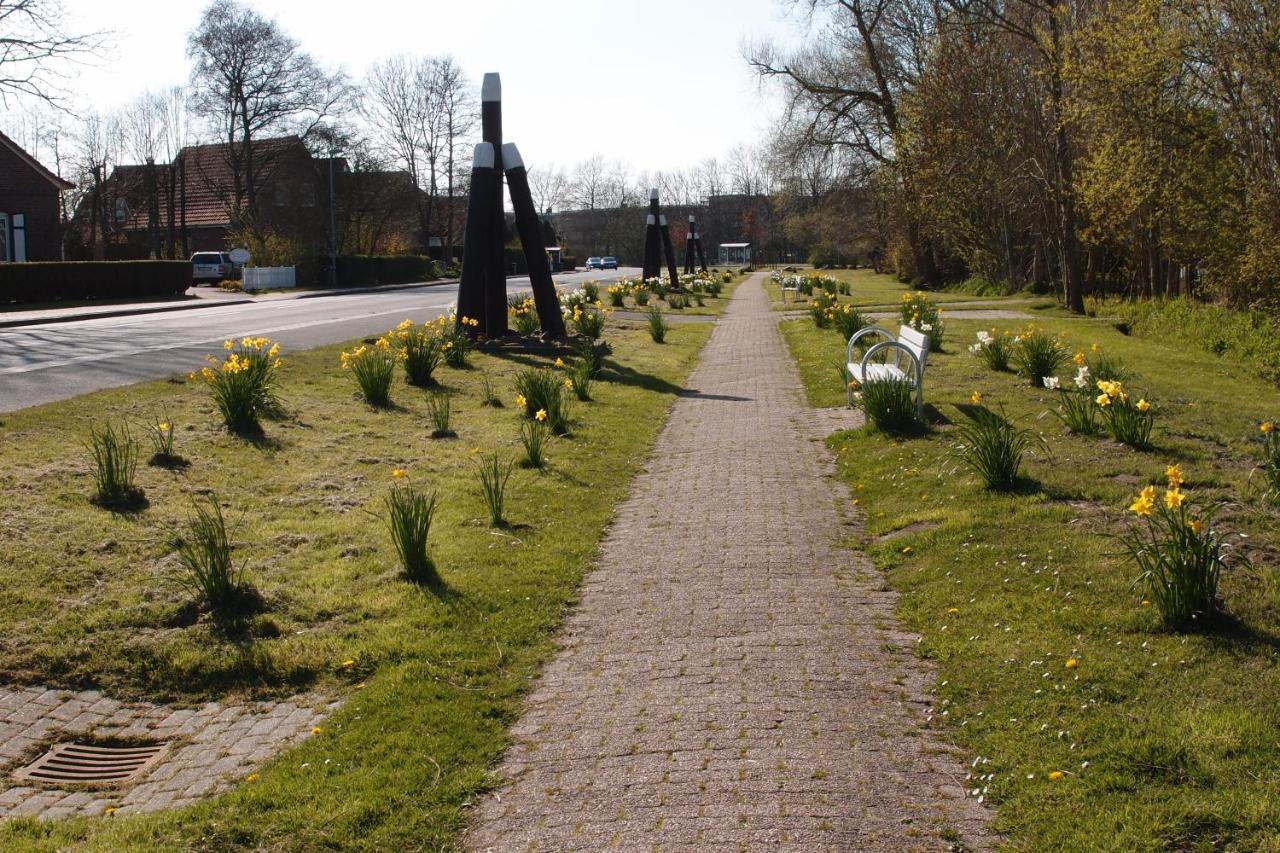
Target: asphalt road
[[54, 361]]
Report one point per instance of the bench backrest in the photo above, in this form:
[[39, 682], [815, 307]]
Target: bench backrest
[[917, 342]]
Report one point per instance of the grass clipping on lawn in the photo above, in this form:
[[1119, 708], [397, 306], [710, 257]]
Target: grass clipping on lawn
[[1085, 723], [431, 681]]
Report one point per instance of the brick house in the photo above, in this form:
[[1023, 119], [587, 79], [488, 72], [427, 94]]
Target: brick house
[[30, 205], [190, 205]]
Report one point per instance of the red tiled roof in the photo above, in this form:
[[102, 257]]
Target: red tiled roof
[[35, 164]]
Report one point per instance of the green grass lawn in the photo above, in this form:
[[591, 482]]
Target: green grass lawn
[[1166, 741], [92, 598], [871, 290]]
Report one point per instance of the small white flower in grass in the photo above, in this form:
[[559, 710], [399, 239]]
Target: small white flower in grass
[[984, 337], [1082, 377], [1051, 382]]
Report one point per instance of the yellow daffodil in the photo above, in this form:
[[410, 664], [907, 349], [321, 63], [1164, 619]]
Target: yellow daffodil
[[1174, 498], [1266, 428], [398, 474], [315, 730], [1174, 475], [1103, 400], [541, 415], [1078, 358], [1196, 526], [348, 663], [975, 397], [251, 778], [1072, 663], [568, 383], [1144, 406], [520, 400], [1055, 775], [559, 362], [109, 810]]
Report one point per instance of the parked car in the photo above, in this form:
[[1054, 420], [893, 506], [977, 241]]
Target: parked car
[[609, 263], [595, 264], [212, 267]]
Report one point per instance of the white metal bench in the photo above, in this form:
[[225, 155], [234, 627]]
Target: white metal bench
[[789, 282], [910, 350]]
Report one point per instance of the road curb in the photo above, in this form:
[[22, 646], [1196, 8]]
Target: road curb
[[120, 312]]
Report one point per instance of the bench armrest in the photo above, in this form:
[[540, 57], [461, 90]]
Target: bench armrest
[[864, 331]]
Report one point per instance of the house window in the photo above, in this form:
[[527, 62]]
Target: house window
[[4, 237], [122, 210], [282, 195]]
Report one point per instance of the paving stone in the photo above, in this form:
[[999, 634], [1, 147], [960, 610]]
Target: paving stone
[[218, 753], [725, 649]]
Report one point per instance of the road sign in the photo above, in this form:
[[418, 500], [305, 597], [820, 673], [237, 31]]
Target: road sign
[[240, 256]]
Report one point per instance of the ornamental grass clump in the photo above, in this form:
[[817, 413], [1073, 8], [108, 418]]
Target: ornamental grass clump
[[204, 552], [439, 408], [419, 349], [890, 405], [593, 353], [658, 325], [920, 313], [994, 349], [488, 396], [1128, 422], [161, 435], [115, 461], [993, 447], [591, 291], [1037, 354], [641, 296], [409, 516], [494, 474], [534, 435], [243, 383], [1178, 554], [579, 380], [1270, 467], [372, 368]]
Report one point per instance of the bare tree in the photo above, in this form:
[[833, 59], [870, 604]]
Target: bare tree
[[460, 115], [34, 48], [550, 187], [250, 79], [587, 183]]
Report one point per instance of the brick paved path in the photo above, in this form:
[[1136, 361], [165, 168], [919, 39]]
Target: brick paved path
[[212, 747], [732, 679]]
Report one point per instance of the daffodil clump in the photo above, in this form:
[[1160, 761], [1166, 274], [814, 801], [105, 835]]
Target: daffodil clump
[[524, 315], [455, 341], [889, 405], [1178, 554], [920, 313], [1128, 420], [994, 348], [372, 368], [1270, 466], [588, 318], [409, 516], [827, 312], [420, 348], [617, 295], [161, 435], [1037, 354], [243, 382], [543, 391]]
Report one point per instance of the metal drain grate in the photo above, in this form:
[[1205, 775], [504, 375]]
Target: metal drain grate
[[73, 762]]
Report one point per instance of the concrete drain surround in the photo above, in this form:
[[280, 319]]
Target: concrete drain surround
[[77, 763], [210, 748]]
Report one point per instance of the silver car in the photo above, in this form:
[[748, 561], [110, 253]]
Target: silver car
[[211, 267]]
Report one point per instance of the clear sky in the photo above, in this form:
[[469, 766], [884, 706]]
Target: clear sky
[[659, 84]]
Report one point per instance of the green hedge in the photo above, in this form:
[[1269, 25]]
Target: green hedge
[[57, 280], [370, 270]]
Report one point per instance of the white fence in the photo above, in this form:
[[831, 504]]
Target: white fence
[[269, 278]]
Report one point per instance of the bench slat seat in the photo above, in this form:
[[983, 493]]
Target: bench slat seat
[[909, 350]]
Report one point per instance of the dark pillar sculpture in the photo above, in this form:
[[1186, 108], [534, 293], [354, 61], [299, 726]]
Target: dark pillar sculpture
[[471, 289], [535, 254], [668, 250], [494, 319], [652, 242], [688, 245]]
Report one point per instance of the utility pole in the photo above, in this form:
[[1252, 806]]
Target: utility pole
[[333, 226]]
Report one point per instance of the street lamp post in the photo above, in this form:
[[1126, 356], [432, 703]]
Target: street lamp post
[[333, 227]]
